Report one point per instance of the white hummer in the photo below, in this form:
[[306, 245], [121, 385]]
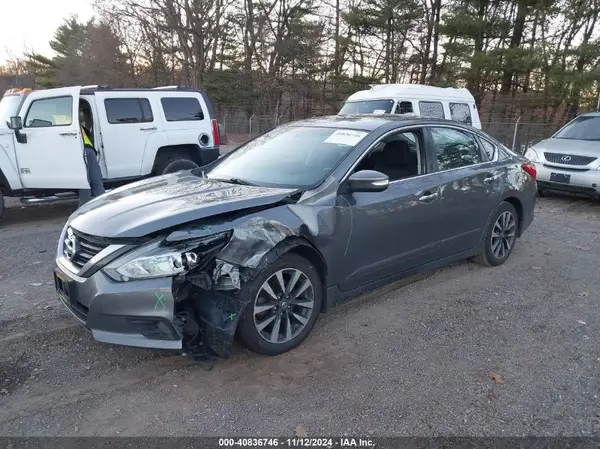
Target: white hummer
[[137, 133]]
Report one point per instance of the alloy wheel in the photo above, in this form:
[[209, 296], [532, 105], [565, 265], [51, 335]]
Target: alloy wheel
[[283, 305], [503, 234]]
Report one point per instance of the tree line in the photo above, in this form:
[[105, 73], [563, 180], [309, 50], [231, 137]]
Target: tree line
[[296, 58]]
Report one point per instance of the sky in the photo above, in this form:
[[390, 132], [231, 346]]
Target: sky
[[30, 24]]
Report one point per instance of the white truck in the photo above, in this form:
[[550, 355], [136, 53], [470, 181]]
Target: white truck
[[137, 132]]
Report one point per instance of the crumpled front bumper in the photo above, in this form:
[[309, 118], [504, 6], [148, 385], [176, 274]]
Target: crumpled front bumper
[[135, 313]]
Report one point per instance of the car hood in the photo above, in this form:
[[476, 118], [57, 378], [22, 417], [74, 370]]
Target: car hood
[[570, 146], [148, 206]]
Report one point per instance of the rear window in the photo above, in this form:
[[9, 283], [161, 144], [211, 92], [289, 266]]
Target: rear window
[[128, 110], [367, 107], [461, 112], [489, 148], [182, 109], [431, 109]]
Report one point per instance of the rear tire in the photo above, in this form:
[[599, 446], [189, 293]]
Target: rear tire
[[272, 325], [500, 236], [173, 162], [179, 165], [1, 205]]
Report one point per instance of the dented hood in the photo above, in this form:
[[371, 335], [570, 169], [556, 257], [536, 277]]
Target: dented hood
[[151, 205]]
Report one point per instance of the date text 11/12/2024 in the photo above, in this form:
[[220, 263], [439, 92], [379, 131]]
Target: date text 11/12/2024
[[344, 442]]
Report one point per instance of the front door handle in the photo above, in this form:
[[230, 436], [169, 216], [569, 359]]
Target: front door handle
[[491, 178], [153, 128], [428, 197], [68, 134]]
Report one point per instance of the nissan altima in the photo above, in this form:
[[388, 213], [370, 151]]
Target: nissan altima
[[261, 241]]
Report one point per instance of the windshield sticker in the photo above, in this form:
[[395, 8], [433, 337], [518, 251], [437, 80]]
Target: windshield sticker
[[379, 111], [346, 137]]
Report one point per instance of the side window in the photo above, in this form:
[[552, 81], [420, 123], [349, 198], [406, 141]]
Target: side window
[[454, 148], [399, 156], [128, 110], [182, 109], [47, 112], [404, 107], [489, 149], [461, 112], [431, 109]]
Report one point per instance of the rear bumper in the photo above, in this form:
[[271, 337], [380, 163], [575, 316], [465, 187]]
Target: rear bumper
[[528, 200], [583, 182], [208, 155], [138, 313]]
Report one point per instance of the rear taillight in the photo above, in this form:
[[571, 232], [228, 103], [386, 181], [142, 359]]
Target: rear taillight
[[215, 131], [530, 170]]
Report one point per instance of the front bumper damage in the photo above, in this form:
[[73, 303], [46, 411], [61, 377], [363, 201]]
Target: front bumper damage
[[195, 313]]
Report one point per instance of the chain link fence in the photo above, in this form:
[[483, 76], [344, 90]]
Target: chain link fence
[[238, 130], [517, 135]]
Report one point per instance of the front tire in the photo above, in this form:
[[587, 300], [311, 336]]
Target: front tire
[[500, 236], [285, 302], [1, 205]]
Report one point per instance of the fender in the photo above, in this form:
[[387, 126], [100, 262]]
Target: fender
[[171, 138], [154, 141], [8, 162]]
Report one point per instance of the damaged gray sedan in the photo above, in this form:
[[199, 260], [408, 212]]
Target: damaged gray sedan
[[260, 242]]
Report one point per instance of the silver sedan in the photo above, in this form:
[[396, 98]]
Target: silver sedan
[[569, 161]]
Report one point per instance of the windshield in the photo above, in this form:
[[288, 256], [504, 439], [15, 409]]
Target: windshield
[[585, 127], [294, 157], [367, 107], [9, 106]]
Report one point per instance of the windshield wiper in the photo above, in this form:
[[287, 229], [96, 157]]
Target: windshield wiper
[[238, 181]]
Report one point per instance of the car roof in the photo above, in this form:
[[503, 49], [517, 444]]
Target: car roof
[[412, 91], [370, 122]]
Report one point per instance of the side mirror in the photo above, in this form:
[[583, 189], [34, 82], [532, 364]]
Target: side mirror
[[368, 181], [16, 123]]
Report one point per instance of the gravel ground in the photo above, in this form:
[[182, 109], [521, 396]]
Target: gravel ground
[[468, 350]]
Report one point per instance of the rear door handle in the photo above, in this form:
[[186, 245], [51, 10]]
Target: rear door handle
[[153, 128], [428, 197], [68, 134], [491, 178]]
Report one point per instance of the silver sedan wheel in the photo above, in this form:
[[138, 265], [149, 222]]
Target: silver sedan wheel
[[503, 234], [283, 305]]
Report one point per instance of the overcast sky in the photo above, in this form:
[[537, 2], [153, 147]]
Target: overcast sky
[[30, 24]]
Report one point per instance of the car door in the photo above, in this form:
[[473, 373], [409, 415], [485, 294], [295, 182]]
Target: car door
[[51, 156], [394, 230], [127, 121], [470, 186]]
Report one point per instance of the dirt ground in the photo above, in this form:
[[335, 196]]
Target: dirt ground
[[467, 351]]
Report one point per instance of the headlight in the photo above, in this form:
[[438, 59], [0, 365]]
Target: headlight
[[532, 155], [157, 260]]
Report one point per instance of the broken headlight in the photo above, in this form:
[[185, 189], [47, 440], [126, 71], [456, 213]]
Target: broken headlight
[[157, 260]]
